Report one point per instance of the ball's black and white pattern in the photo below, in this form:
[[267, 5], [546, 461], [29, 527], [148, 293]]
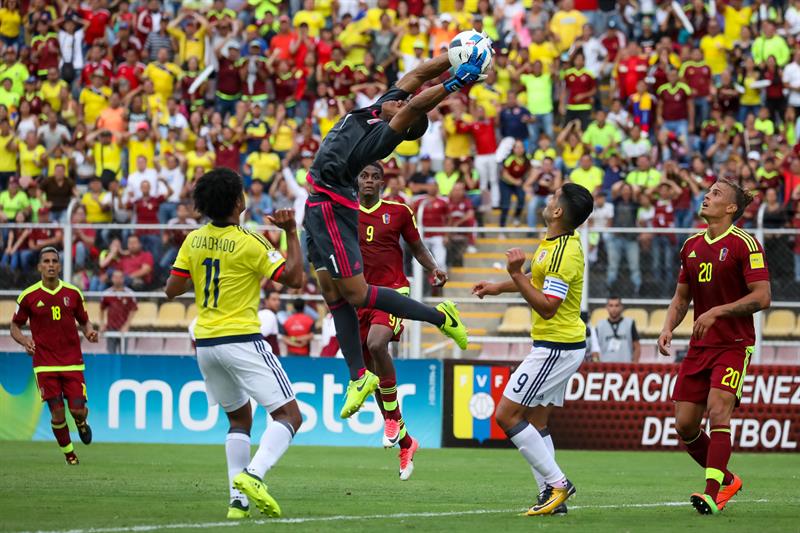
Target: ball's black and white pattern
[[464, 43]]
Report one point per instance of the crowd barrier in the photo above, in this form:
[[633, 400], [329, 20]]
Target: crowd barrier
[[446, 403]]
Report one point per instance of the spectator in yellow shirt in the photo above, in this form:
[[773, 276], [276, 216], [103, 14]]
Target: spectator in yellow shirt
[[97, 203], [51, 89], [32, 157], [199, 158], [142, 143], [264, 164], [488, 95], [456, 145], [94, 99], [10, 23], [735, 17], [714, 49], [191, 38], [567, 24], [374, 15], [310, 16], [163, 74]]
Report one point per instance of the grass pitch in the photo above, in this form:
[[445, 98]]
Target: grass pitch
[[181, 487]]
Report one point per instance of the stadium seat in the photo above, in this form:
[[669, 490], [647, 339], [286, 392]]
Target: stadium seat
[[639, 315], [7, 309], [780, 323], [516, 319], [146, 345], [191, 312], [597, 315], [145, 316], [655, 323], [171, 315]]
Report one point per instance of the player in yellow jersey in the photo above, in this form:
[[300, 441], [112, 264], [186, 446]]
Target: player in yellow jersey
[[539, 383], [225, 264]]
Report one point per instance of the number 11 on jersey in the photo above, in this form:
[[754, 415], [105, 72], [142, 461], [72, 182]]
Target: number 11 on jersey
[[212, 273]]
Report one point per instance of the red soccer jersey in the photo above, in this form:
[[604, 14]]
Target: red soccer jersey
[[630, 72], [297, 325], [483, 133], [674, 101], [578, 83], [146, 210], [698, 77], [379, 230], [434, 215], [132, 73], [717, 273], [52, 315], [119, 305]]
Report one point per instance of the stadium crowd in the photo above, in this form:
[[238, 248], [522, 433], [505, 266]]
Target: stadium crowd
[[124, 104]]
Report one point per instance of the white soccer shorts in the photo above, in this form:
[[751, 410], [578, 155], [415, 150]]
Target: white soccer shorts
[[236, 372], [541, 379]]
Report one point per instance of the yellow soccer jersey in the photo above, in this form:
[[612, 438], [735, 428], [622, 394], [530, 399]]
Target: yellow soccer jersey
[[226, 264], [557, 271]]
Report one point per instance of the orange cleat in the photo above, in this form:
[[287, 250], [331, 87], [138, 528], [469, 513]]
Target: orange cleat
[[729, 491]]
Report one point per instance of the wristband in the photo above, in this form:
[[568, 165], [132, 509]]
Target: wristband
[[453, 84]]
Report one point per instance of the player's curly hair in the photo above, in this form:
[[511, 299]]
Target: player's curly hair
[[744, 197], [378, 165], [216, 193]]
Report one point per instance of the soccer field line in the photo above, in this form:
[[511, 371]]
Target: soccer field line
[[336, 518]]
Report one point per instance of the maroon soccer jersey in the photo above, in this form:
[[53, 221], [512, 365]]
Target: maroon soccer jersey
[[698, 77], [379, 230], [578, 83], [119, 305], [53, 315], [717, 273], [675, 101]]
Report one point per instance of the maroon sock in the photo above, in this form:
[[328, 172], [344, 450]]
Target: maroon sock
[[405, 440], [61, 431], [719, 452], [698, 447], [389, 405]]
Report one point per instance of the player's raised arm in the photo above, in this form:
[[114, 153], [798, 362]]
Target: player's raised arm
[[425, 71], [292, 274], [467, 73], [678, 308]]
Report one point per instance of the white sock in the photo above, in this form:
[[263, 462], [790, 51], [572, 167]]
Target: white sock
[[533, 448], [548, 441], [237, 450], [274, 443]]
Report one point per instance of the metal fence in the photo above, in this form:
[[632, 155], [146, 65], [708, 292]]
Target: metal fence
[[654, 287]]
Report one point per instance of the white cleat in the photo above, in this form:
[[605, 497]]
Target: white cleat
[[407, 460]]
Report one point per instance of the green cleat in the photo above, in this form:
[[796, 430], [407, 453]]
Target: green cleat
[[238, 511], [453, 327], [357, 393], [704, 503], [256, 491]]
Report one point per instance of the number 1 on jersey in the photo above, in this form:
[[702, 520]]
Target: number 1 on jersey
[[212, 271]]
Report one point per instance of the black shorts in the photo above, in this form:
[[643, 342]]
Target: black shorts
[[332, 237]]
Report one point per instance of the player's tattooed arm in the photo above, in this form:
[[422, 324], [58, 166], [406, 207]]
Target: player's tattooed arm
[[426, 71], [759, 297]]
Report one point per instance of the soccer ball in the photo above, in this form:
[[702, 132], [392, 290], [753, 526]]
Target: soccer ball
[[462, 45]]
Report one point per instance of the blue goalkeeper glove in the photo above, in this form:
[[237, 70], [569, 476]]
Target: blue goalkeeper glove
[[468, 72]]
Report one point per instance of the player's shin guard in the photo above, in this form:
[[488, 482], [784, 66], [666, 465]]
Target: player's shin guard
[[719, 452], [61, 432], [345, 319], [237, 452], [274, 443], [393, 302], [548, 442], [532, 447], [697, 447]]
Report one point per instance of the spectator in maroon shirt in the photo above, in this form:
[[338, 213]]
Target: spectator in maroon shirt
[[44, 48], [125, 43], [145, 210], [136, 263], [229, 81], [229, 148], [434, 215], [298, 330], [117, 309], [41, 237]]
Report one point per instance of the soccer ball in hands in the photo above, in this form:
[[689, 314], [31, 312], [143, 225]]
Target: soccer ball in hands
[[464, 43]]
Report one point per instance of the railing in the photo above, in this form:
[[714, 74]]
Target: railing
[[412, 348]]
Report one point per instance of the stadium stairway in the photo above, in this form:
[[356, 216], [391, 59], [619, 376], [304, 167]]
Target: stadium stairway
[[482, 317]]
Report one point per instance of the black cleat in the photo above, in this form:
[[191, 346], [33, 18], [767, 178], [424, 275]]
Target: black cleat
[[85, 433]]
